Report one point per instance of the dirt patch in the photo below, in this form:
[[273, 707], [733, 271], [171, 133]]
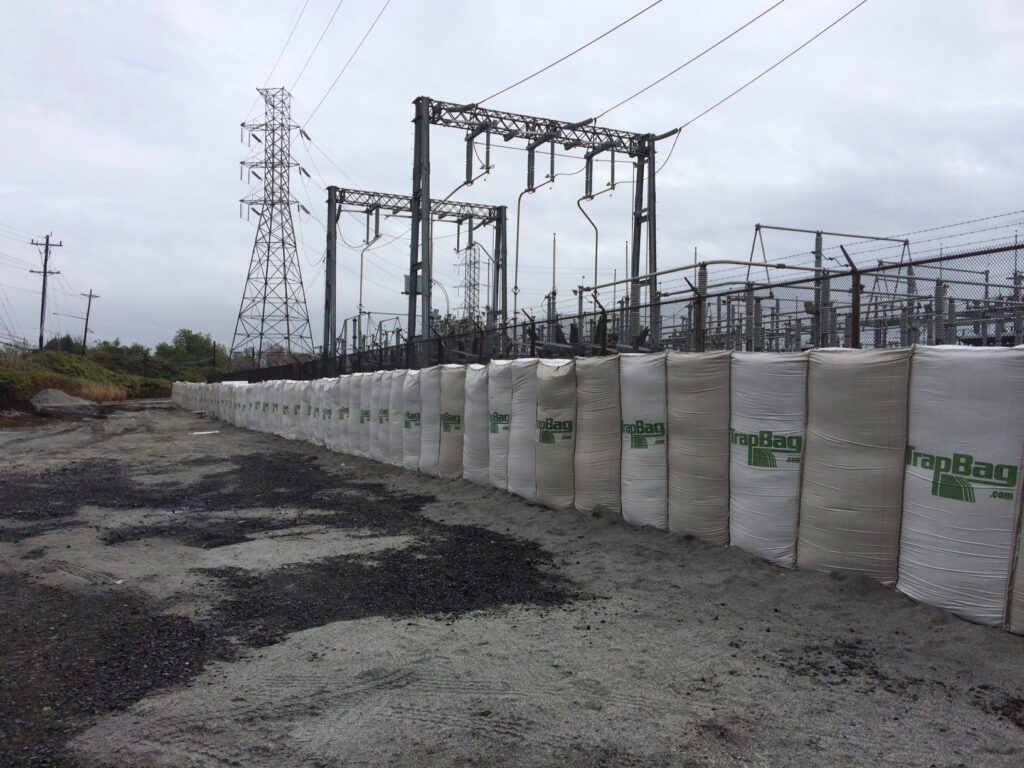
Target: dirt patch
[[457, 569], [66, 657]]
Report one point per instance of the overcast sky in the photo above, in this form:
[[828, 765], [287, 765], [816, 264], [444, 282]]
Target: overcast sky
[[120, 135]]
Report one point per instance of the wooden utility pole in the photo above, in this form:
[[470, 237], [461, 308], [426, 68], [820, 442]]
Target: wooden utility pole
[[85, 334], [47, 245]]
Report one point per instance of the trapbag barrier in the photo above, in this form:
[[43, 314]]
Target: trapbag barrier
[[499, 403], [599, 435], [556, 433], [852, 488], [453, 405], [644, 440], [396, 411], [698, 446], [522, 467], [430, 423], [475, 453], [766, 435], [962, 487], [411, 421]]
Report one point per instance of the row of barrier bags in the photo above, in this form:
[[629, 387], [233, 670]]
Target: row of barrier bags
[[903, 465]]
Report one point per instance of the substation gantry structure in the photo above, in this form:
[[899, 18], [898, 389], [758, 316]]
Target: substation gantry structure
[[472, 216], [537, 132]]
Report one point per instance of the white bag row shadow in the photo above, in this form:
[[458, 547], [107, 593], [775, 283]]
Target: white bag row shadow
[[901, 464]]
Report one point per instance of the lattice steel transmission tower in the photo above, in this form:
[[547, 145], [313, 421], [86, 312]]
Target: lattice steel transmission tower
[[273, 322], [471, 282]]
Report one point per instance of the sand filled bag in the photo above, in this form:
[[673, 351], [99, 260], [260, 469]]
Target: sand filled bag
[[305, 409], [698, 445], [355, 390], [337, 394], [852, 489], [1016, 620], [453, 404], [317, 426], [395, 434], [499, 406], [342, 400], [766, 437], [430, 419], [644, 439], [277, 406], [375, 390], [365, 413], [326, 409], [962, 484], [384, 418], [596, 463], [475, 464], [556, 433], [522, 468], [411, 418]]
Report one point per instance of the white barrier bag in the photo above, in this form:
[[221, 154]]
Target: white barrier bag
[[1016, 620], [306, 410], [598, 434], [395, 411], [453, 405], [499, 409], [698, 445], [475, 426], [644, 440], [327, 410], [337, 396], [766, 439], [365, 413], [277, 405], [962, 487], [317, 426], [342, 413], [375, 414], [556, 433], [430, 419], [411, 418], [522, 448], [354, 410], [853, 463]]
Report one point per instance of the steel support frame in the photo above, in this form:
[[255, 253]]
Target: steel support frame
[[536, 131]]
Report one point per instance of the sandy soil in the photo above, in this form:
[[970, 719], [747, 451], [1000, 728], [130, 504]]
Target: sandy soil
[[234, 599]]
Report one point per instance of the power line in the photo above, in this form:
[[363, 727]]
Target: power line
[[342, 72], [752, 81], [315, 47], [278, 59], [555, 63], [685, 64]]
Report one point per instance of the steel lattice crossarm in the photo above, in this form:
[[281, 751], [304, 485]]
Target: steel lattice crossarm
[[510, 125], [439, 209]]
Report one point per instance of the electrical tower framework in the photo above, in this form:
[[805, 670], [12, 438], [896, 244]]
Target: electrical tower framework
[[471, 215], [536, 132], [273, 320]]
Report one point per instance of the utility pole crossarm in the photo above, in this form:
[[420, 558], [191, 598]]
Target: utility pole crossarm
[[510, 125]]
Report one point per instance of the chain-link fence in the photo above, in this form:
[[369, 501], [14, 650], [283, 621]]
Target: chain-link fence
[[967, 298]]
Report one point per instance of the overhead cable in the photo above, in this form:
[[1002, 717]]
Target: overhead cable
[[569, 55], [315, 47]]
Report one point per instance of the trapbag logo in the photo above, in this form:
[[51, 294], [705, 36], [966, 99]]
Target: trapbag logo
[[343, 412], [766, 449], [644, 434], [451, 422], [499, 421], [411, 419], [383, 415], [957, 477], [364, 416], [551, 430]]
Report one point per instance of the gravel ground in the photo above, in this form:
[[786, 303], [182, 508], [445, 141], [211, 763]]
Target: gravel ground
[[234, 599]]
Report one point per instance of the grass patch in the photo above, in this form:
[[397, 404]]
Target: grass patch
[[22, 376]]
